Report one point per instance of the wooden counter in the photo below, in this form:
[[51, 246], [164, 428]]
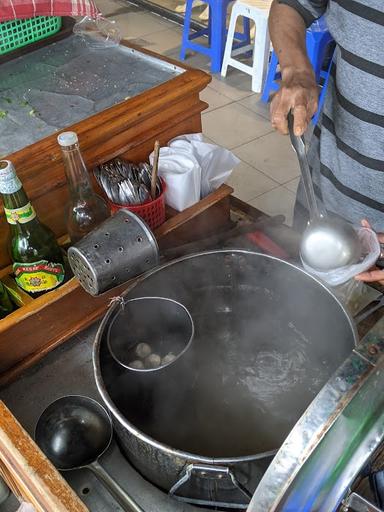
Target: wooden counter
[[128, 128]]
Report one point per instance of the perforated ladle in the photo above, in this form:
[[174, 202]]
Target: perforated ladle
[[327, 243]]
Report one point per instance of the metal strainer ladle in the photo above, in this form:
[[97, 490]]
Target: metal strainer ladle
[[73, 432], [149, 333], [327, 243]]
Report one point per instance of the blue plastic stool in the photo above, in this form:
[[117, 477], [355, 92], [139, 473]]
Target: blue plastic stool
[[216, 32], [318, 40]]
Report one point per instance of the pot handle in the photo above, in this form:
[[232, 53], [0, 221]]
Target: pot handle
[[369, 309], [203, 471], [357, 503]]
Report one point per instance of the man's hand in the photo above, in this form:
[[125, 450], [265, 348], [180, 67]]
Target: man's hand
[[298, 92], [374, 275]]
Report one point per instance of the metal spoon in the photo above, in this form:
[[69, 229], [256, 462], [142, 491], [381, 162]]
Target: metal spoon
[[74, 432], [326, 243]]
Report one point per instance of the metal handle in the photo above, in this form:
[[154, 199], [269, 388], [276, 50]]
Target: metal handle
[[368, 310], [376, 480], [298, 144], [211, 473], [128, 503], [357, 503]]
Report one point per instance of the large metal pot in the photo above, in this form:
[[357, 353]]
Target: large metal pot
[[267, 337]]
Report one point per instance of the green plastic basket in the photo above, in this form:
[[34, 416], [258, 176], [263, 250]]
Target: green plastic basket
[[15, 34]]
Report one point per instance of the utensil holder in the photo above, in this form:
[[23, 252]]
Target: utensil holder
[[152, 212], [122, 247]]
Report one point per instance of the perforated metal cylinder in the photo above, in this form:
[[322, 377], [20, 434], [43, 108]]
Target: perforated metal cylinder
[[122, 247]]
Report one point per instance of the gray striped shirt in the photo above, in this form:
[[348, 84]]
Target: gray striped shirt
[[347, 148]]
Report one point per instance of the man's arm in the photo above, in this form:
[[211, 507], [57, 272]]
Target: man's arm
[[298, 90]]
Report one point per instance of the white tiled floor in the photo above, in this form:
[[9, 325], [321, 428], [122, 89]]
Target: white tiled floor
[[271, 154], [234, 125], [267, 176]]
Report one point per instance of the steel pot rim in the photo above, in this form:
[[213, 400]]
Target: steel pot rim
[[150, 440]]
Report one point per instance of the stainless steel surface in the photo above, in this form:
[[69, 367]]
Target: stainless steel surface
[[356, 503], [326, 243], [153, 332], [333, 440], [122, 247], [214, 473], [261, 353], [66, 371], [74, 432], [64, 83], [126, 183], [298, 144]]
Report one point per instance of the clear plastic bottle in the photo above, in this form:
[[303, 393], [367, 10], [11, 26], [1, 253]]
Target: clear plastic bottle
[[86, 209]]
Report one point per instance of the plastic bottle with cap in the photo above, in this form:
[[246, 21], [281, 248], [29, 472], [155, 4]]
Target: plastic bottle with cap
[[86, 209]]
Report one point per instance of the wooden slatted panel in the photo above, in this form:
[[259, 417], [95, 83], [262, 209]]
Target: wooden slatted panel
[[29, 473]]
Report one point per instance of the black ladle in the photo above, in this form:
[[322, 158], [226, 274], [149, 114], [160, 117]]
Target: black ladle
[[73, 432]]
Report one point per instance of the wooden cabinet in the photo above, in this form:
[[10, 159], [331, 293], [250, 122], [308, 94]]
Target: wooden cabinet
[[129, 129]]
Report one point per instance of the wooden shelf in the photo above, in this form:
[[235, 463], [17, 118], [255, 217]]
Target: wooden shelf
[[41, 324], [129, 129]]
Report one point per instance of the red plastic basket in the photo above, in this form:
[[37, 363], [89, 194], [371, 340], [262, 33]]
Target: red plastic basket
[[152, 212]]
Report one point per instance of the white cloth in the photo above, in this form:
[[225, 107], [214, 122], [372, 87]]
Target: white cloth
[[192, 169]]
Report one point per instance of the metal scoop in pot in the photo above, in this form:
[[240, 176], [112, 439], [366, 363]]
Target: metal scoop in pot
[[327, 243], [150, 333]]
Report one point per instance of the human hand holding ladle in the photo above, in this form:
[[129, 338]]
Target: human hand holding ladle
[[74, 432], [327, 243]]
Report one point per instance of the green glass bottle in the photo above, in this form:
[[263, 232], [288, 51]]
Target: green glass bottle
[[37, 258], [6, 305]]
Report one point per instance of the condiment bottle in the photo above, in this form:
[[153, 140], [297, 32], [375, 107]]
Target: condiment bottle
[[37, 258], [86, 209]]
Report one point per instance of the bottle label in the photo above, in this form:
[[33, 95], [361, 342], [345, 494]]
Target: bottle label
[[39, 276], [20, 215]]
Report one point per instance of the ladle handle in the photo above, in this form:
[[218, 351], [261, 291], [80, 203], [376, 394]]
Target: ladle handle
[[298, 144], [128, 503]]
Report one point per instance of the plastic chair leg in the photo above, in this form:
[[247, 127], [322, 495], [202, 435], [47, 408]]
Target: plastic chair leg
[[260, 54], [186, 29], [269, 81], [209, 26], [323, 92], [247, 30], [229, 43], [218, 34]]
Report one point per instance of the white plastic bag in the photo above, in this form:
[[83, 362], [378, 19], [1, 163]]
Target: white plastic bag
[[98, 33], [355, 295], [26, 507], [371, 252], [215, 161], [182, 174]]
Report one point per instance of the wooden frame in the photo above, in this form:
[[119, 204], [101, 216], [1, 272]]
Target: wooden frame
[[128, 129], [28, 472]]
